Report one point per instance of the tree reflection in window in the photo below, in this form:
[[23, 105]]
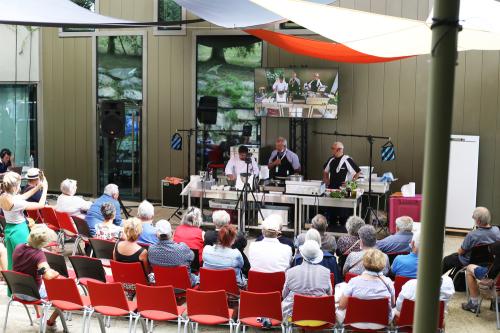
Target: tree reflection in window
[[169, 10]]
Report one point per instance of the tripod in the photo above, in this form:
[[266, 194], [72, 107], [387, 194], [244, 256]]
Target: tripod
[[243, 198], [370, 211]]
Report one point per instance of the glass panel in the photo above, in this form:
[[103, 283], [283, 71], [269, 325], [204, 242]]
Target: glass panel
[[119, 71], [87, 4], [19, 123], [225, 69], [168, 10]]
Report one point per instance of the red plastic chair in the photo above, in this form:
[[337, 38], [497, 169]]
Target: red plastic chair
[[260, 282], [50, 219], [258, 305], [176, 276], [125, 272], [108, 299], [307, 308], [404, 323], [57, 263], [67, 225], [64, 296], [393, 255], [207, 308], [22, 284], [399, 282], [35, 215], [219, 279], [158, 303], [89, 269], [348, 276], [373, 311]]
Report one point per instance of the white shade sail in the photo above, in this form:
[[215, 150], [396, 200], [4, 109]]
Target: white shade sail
[[234, 13], [52, 13], [388, 36]]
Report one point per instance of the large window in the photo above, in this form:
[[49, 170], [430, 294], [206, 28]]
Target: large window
[[87, 4], [225, 69], [168, 11], [18, 111], [120, 87]]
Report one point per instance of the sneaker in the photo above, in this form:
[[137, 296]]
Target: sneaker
[[469, 306]]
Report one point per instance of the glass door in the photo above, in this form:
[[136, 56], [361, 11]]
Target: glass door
[[119, 113]]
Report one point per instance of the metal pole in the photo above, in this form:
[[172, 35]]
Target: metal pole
[[436, 159]]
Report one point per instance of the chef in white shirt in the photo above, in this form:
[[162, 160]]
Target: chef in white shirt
[[280, 86], [237, 165]]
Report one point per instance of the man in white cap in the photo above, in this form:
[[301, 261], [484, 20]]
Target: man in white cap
[[33, 176], [269, 255], [168, 253], [309, 278]]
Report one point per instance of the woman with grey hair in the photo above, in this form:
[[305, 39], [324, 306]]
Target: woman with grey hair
[[328, 242], [367, 240], [350, 242], [221, 218], [190, 233], [69, 203]]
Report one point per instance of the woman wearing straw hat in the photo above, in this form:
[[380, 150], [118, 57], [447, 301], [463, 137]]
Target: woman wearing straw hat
[[308, 278]]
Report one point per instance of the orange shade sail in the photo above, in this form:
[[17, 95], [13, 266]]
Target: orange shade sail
[[317, 49]]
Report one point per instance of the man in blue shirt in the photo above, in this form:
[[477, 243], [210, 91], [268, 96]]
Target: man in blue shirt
[[406, 265], [146, 213], [94, 215], [400, 241]]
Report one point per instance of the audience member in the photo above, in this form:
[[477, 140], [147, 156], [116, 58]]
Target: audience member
[[70, 203], [485, 275], [168, 253], [130, 251], [106, 229], [221, 255], [371, 284], [30, 259], [350, 242], [269, 255], [282, 239], [406, 264], [3, 258], [328, 242], [409, 291], [13, 205], [367, 240], [329, 260], [189, 231], [221, 218], [146, 213], [400, 241], [483, 233], [94, 216], [309, 278], [6, 161], [33, 177]]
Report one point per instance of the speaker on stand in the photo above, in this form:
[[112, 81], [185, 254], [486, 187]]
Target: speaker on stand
[[112, 127], [206, 112]]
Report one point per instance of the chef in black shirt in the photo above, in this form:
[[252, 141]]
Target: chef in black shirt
[[283, 162], [337, 170]]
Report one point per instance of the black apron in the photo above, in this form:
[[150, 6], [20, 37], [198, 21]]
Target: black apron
[[285, 169]]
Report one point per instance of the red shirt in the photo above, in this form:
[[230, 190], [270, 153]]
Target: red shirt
[[26, 259], [191, 236]]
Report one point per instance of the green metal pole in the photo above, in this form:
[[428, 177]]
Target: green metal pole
[[436, 158]]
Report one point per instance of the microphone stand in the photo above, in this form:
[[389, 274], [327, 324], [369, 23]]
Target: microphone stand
[[369, 210]]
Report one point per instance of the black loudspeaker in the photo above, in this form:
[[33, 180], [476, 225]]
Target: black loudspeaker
[[112, 118], [207, 110]]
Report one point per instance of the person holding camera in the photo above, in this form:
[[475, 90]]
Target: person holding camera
[[34, 176], [238, 165]]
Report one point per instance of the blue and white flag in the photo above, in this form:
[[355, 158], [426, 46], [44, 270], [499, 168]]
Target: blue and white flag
[[387, 152], [176, 142]]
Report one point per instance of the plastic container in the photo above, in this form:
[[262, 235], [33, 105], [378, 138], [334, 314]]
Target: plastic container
[[403, 206]]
